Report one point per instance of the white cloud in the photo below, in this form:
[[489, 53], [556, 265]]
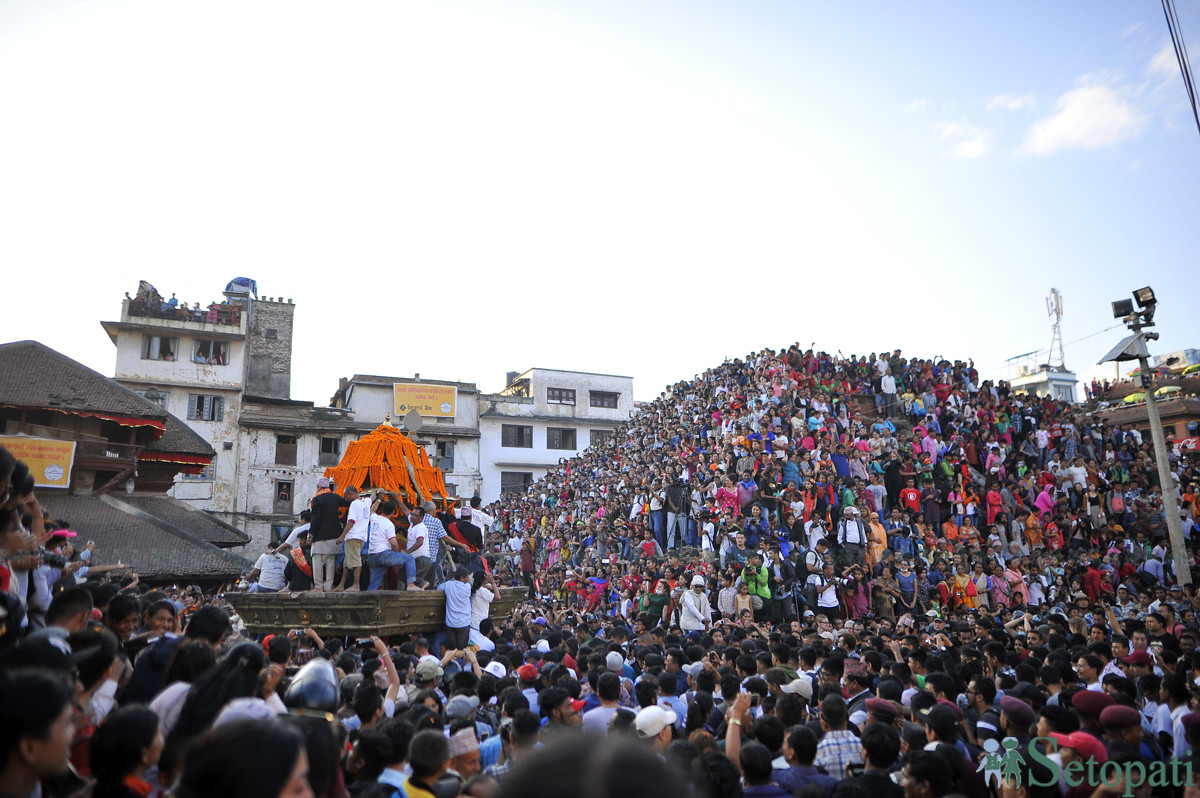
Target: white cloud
[[1009, 102], [1132, 29], [1090, 117], [964, 139], [1164, 63], [916, 106]]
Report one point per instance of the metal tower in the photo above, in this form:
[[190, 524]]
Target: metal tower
[[1054, 308]]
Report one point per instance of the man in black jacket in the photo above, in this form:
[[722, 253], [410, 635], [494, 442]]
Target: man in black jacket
[[783, 577], [326, 527]]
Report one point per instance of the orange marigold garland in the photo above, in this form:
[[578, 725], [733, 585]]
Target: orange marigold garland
[[379, 460]]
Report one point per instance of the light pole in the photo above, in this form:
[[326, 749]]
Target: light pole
[[1133, 347]]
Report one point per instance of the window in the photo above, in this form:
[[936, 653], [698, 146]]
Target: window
[[285, 450], [156, 396], [599, 437], [515, 481], [205, 408], [560, 396], [331, 451], [604, 399], [159, 347], [271, 334], [444, 420], [451, 489], [560, 438], [445, 450], [283, 497], [516, 436], [207, 474], [212, 353]]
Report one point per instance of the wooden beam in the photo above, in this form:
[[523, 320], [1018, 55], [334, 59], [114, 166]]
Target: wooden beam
[[112, 483]]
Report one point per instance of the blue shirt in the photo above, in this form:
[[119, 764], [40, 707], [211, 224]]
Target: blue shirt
[[458, 603]]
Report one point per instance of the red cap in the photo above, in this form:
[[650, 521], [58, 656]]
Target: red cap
[[527, 673], [1088, 746], [1138, 658], [578, 705]]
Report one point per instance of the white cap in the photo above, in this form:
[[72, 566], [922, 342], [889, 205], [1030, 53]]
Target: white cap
[[651, 721], [801, 687], [697, 581], [496, 669], [543, 646], [429, 658]]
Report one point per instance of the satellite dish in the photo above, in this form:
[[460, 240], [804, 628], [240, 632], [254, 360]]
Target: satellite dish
[[413, 421]]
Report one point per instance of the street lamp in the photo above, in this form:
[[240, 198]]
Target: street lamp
[[1133, 347]]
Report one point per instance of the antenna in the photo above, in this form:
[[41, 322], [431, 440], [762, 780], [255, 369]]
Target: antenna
[[1054, 308]]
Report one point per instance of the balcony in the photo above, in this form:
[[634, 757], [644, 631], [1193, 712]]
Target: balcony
[[217, 321], [105, 455]]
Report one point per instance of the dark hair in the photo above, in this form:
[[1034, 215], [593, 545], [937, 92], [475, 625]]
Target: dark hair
[[99, 648], [374, 748], [120, 744], [217, 764], [755, 759], [930, 767], [235, 676], [191, 658], [121, 607], [608, 687], [881, 744], [400, 732], [208, 623], [428, 751], [716, 777], [581, 765], [161, 604], [30, 703], [67, 604]]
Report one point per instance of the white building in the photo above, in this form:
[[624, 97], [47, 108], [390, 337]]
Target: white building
[[543, 416], [226, 371], [1057, 383], [451, 441]]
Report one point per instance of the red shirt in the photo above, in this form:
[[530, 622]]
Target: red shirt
[[911, 498]]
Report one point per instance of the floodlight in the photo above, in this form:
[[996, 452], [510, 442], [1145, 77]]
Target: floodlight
[[1144, 297], [1122, 308]]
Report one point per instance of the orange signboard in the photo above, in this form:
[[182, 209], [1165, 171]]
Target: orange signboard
[[49, 459], [435, 401]]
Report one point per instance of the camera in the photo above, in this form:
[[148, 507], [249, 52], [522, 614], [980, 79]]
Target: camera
[[52, 559]]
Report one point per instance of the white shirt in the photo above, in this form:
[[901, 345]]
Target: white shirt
[[419, 531], [482, 519], [360, 513], [293, 538], [481, 603], [270, 571], [888, 383], [382, 531], [694, 611]]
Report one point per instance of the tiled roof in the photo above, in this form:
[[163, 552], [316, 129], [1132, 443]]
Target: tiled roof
[[187, 518], [56, 381], [180, 438], [157, 550]]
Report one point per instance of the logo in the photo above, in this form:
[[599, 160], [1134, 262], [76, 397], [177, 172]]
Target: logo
[[446, 407], [53, 472], [1003, 762]]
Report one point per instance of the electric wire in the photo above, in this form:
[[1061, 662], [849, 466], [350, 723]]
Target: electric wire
[[1181, 55]]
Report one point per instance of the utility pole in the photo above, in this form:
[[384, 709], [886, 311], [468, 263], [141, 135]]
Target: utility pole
[[1134, 348]]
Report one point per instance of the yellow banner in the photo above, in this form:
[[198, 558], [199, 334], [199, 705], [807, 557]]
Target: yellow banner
[[49, 460], [435, 401]]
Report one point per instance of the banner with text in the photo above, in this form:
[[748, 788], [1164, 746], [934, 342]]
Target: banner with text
[[49, 460], [435, 401]]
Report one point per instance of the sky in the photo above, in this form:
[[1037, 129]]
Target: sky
[[461, 189]]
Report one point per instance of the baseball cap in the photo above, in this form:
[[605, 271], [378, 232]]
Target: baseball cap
[[543, 646], [459, 707], [527, 673], [1138, 658], [615, 662], [650, 721], [1088, 746], [429, 670], [801, 687], [496, 669], [694, 669]]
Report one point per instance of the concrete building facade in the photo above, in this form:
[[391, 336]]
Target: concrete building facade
[[542, 417], [451, 443]]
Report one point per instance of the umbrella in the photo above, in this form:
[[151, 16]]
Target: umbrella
[[1134, 397], [1192, 369], [1167, 389]]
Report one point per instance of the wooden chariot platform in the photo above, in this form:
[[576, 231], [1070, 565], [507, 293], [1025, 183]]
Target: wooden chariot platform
[[380, 612]]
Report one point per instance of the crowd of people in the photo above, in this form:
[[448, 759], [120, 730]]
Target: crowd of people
[[796, 574]]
